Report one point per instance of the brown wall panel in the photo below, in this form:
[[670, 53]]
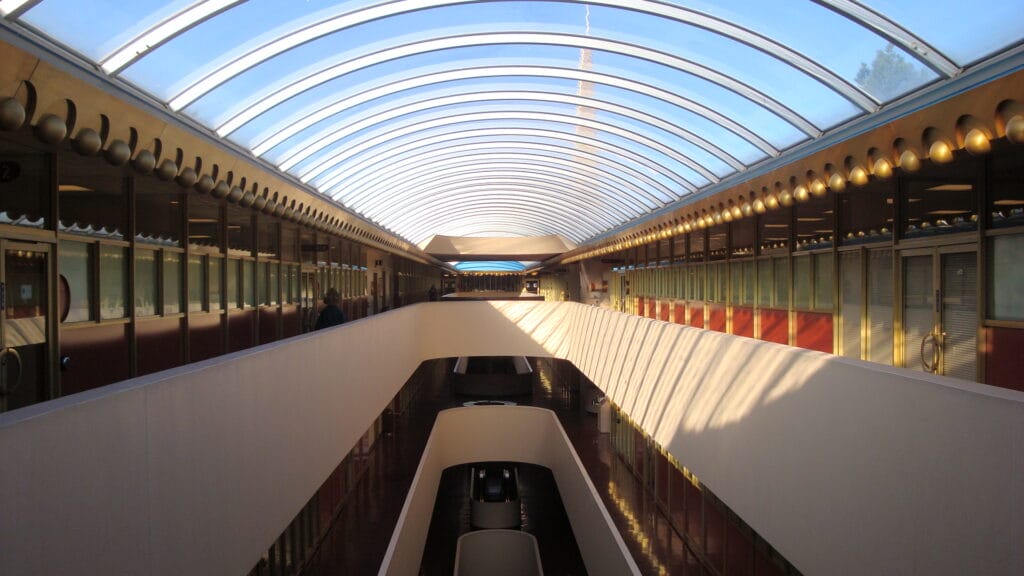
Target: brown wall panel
[[291, 321], [1004, 362], [158, 344], [98, 356], [206, 336], [269, 324], [240, 329]]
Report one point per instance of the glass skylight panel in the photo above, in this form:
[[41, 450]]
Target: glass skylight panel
[[963, 31], [114, 22]]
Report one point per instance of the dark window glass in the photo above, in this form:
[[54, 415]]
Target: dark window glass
[[743, 237], [814, 220], [269, 243], [774, 225], [25, 186], [204, 225], [92, 197], [941, 199], [866, 214], [158, 209], [718, 242], [240, 230], [697, 246], [1006, 195]]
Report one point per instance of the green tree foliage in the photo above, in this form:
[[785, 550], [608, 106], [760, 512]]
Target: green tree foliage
[[890, 74]]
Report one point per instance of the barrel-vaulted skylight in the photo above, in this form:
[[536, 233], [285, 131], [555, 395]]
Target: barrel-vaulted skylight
[[521, 118]]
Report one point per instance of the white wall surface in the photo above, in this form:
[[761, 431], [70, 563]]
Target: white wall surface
[[846, 467], [513, 434]]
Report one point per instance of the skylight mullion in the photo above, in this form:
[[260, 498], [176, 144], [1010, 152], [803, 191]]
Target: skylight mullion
[[321, 178]]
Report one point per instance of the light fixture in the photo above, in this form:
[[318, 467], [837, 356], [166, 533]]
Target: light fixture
[[801, 194], [818, 188], [759, 206], [735, 210], [745, 207], [910, 161], [785, 197], [1015, 129], [858, 175], [771, 200], [977, 142], [882, 168]]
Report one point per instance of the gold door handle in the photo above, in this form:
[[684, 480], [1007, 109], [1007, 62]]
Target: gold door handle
[[6, 389], [935, 360]]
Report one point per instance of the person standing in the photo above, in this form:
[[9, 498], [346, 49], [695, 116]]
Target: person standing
[[331, 315]]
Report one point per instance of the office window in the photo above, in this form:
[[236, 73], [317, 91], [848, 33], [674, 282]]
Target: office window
[[172, 282], [780, 273], [113, 282], [823, 281], [216, 276], [76, 271], [801, 282], [145, 282], [1006, 277], [196, 283]]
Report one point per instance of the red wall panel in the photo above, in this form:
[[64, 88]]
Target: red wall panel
[[743, 322], [640, 306], [775, 326], [1004, 362], [814, 331], [652, 308], [716, 318], [158, 344], [680, 313], [664, 309], [98, 355], [205, 336], [697, 315]]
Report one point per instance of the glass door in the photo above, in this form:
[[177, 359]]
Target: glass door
[[940, 311], [24, 324]]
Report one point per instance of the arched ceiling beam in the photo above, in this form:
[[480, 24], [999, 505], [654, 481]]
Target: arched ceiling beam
[[297, 86], [528, 96], [222, 72], [578, 191], [637, 194], [162, 31], [294, 124], [351, 177], [600, 193], [525, 218], [446, 206], [894, 33], [410, 163], [360, 145], [576, 155], [468, 188]]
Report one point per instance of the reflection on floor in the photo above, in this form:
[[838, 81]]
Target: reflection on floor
[[358, 539], [542, 515]]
